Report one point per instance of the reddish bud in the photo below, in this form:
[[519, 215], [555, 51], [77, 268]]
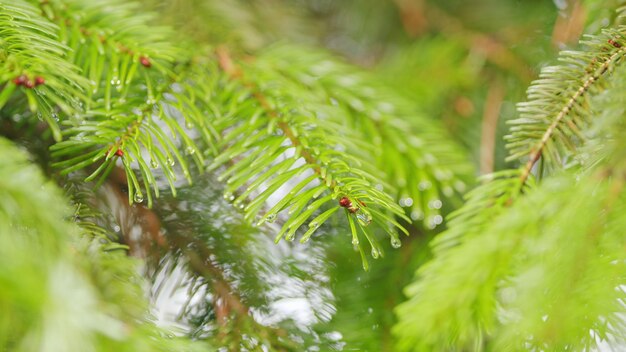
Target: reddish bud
[[29, 84], [118, 152], [345, 202], [39, 81], [145, 61], [19, 80]]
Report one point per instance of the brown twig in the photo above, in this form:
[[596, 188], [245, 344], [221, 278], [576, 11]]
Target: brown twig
[[569, 27], [491, 114]]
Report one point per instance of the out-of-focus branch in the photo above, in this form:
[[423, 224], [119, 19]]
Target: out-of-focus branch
[[491, 113], [569, 24], [417, 15], [142, 231]]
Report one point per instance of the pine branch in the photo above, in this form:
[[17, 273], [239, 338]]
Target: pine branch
[[133, 83], [539, 259], [487, 250], [34, 63], [552, 121], [406, 145], [276, 126]]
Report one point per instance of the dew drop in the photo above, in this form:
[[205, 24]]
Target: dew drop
[[290, 236], [154, 164], [270, 218], [406, 202], [318, 193], [170, 161], [189, 124], [355, 241], [435, 204], [138, 197], [364, 218], [375, 253], [190, 150], [314, 224], [424, 185], [417, 215], [395, 243], [229, 196]]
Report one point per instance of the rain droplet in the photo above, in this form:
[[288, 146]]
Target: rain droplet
[[424, 185], [406, 202], [290, 236], [190, 150], [375, 253], [189, 124], [417, 215], [229, 196], [270, 218], [435, 204], [395, 243], [314, 224], [355, 241], [364, 218], [138, 197], [154, 164], [170, 161]]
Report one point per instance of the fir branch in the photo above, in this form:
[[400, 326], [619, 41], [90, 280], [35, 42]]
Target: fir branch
[[549, 126], [34, 63], [311, 141], [406, 145], [475, 257], [121, 122]]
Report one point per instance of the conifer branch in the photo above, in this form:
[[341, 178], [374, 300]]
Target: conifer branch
[[537, 150], [226, 63], [34, 63], [343, 180], [404, 141], [483, 235]]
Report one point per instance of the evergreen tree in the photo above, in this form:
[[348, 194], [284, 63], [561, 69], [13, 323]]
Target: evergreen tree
[[158, 160]]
